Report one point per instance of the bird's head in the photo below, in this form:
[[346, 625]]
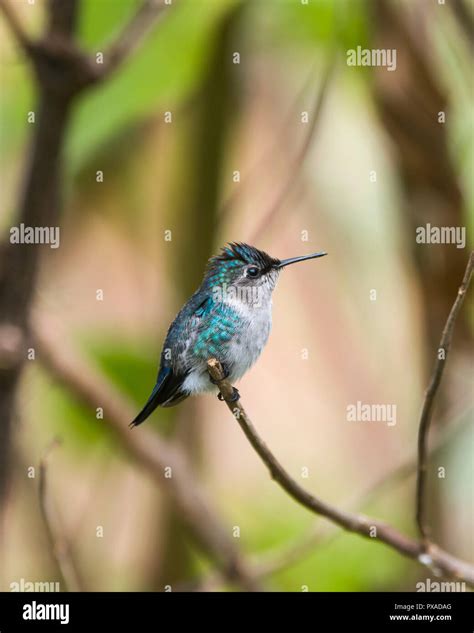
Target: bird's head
[[241, 266]]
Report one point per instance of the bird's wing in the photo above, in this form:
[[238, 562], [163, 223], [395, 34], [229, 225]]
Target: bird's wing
[[172, 373], [216, 327]]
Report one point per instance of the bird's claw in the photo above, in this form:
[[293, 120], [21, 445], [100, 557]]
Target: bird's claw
[[235, 395], [226, 373]]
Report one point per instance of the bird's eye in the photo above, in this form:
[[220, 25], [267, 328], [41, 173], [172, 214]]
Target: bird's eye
[[252, 271]]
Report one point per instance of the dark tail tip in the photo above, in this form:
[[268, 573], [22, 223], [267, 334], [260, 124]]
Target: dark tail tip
[[146, 411]]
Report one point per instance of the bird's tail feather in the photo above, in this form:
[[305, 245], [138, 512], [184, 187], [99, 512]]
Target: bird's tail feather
[[152, 403], [154, 400]]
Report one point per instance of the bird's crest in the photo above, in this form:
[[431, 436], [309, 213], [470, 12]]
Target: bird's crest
[[237, 254]]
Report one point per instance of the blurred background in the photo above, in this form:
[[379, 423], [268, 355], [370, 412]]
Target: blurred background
[[293, 151]]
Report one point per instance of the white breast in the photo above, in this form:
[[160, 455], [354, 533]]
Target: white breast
[[244, 349], [247, 346]]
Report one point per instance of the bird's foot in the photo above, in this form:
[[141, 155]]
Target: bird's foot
[[226, 374], [235, 395]]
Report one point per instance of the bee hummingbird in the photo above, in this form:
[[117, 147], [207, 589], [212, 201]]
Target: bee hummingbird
[[228, 318]]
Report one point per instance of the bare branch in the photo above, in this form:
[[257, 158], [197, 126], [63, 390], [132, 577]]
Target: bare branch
[[15, 25], [62, 72], [58, 49], [39, 205], [430, 394], [63, 17], [318, 535], [295, 168], [152, 453], [436, 559], [282, 558], [60, 547], [133, 34], [253, 173]]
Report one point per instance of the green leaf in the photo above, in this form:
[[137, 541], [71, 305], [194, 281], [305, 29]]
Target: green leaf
[[158, 75]]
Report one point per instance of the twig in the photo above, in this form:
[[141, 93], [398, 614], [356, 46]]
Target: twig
[[280, 559], [39, 205], [152, 453], [59, 545], [15, 25], [437, 560], [429, 399], [133, 34], [58, 46], [62, 72], [295, 168], [283, 557], [253, 172]]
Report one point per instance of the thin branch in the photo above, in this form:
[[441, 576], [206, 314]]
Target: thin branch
[[133, 34], [437, 560], [427, 409], [60, 547], [59, 46], [38, 205], [279, 558], [282, 558], [15, 25], [252, 173], [62, 72], [151, 452], [63, 18], [295, 168]]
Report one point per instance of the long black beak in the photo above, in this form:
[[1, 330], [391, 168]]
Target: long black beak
[[293, 260]]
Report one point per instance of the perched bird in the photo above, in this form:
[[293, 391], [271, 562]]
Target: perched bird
[[227, 318]]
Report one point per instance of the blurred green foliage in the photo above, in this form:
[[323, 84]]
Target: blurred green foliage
[[130, 366], [162, 75], [164, 71], [334, 25], [343, 562]]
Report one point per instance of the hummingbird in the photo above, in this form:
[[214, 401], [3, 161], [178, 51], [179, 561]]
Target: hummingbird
[[228, 318]]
